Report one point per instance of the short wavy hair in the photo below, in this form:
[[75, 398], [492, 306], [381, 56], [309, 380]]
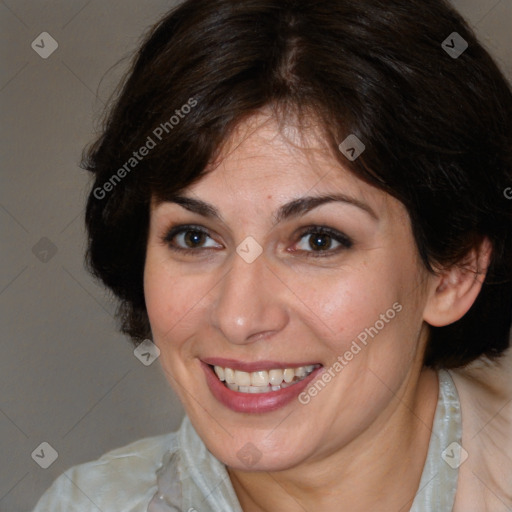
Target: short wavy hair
[[436, 124]]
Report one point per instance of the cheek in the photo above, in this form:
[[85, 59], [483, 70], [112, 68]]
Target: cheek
[[348, 301], [174, 310], [157, 297], [368, 309], [172, 301]]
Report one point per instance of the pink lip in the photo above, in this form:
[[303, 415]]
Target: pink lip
[[252, 367], [255, 403]]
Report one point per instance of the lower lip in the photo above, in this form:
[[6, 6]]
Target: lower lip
[[255, 402]]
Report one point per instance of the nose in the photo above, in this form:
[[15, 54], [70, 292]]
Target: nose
[[250, 302]]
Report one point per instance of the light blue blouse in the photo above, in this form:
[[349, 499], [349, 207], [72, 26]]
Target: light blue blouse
[[175, 472]]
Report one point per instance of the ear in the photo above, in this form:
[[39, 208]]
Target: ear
[[455, 289]]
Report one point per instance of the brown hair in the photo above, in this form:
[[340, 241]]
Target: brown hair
[[437, 130]]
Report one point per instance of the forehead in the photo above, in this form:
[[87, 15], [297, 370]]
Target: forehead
[[264, 159]]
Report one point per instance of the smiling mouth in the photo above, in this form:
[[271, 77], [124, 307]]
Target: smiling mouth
[[262, 381]]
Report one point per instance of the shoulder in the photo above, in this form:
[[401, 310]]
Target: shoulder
[[485, 478], [121, 479]]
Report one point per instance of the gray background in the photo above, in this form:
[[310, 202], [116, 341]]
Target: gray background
[[66, 376]]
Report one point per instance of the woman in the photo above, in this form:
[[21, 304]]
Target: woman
[[302, 205]]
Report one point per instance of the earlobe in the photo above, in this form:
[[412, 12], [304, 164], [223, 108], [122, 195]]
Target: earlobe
[[455, 289]]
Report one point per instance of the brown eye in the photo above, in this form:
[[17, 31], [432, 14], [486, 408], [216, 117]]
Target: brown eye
[[187, 238], [193, 238], [320, 240]]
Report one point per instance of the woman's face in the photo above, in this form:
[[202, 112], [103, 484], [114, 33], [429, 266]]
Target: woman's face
[[265, 289]]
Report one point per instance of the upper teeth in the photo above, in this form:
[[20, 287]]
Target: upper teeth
[[262, 378]]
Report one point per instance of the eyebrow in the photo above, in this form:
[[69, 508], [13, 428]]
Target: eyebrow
[[292, 209]]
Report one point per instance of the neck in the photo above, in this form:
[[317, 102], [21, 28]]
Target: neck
[[380, 470]]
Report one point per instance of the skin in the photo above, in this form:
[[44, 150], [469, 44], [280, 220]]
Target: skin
[[363, 440], [485, 479]]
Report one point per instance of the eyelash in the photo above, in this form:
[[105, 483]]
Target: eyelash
[[344, 241]]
